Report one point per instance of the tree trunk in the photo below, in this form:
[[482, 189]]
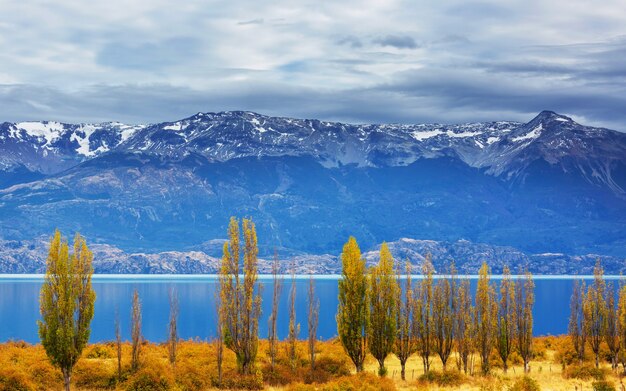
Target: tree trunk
[[381, 368], [505, 367], [597, 360], [403, 370], [359, 367], [66, 379]]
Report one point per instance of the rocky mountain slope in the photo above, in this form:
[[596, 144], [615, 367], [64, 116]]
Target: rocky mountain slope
[[547, 186]]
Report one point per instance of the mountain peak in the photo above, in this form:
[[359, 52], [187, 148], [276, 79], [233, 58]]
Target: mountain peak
[[548, 115]]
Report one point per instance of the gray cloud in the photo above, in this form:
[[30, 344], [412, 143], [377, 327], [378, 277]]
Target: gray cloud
[[397, 41], [478, 60], [252, 21], [148, 55]]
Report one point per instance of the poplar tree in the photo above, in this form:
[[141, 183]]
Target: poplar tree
[[353, 308], [313, 320], [485, 318], [594, 308], [277, 287], [424, 313], [505, 321], [118, 345], [576, 327], [611, 331], [66, 303], [172, 340], [135, 331], [443, 315], [523, 318], [621, 325], [382, 325], [294, 327], [464, 325], [405, 344], [240, 302]]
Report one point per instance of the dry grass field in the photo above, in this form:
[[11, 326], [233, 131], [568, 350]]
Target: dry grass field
[[25, 367]]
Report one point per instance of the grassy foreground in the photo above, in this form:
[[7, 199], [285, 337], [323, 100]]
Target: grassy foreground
[[25, 367]]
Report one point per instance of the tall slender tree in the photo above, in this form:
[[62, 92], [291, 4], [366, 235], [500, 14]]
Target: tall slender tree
[[594, 308], [135, 331], [505, 320], [405, 344], [313, 320], [424, 313], [66, 303], [576, 327], [523, 317], [611, 330], [443, 315], [172, 340], [621, 325], [382, 324], [353, 308], [485, 318], [118, 345], [294, 326], [464, 325], [272, 337], [241, 302], [219, 339]]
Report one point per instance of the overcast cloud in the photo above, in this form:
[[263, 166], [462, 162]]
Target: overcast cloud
[[357, 61]]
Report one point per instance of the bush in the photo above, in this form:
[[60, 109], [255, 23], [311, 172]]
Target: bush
[[93, 374], [525, 384], [443, 379], [360, 382], [603, 385], [149, 379], [191, 378], [234, 381], [584, 372], [14, 380], [100, 351], [335, 366]]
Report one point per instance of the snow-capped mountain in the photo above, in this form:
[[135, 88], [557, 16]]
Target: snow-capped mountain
[[546, 186]]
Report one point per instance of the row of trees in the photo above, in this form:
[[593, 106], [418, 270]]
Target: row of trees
[[239, 303], [596, 316], [382, 311]]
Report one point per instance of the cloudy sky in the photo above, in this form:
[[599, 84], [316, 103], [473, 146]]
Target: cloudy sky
[[356, 61]]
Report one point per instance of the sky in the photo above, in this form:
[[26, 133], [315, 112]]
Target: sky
[[364, 61]]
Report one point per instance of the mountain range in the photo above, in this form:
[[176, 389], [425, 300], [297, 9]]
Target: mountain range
[[548, 194]]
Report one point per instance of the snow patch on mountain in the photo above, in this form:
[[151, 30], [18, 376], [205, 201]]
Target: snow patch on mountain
[[533, 134]]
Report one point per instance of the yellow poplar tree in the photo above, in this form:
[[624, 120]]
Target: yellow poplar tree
[[353, 308], [240, 302], [66, 303], [485, 317], [405, 344], [523, 317], [621, 324], [505, 321], [382, 325], [576, 327], [424, 313], [594, 309], [443, 315], [464, 325]]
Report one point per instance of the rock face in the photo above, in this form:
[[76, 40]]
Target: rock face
[[160, 193]]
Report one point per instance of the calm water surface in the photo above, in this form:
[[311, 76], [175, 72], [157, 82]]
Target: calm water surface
[[19, 306]]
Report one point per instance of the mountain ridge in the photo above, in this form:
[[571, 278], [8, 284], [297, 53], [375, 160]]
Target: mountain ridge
[[549, 185]]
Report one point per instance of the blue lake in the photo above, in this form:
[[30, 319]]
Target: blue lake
[[19, 305]]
